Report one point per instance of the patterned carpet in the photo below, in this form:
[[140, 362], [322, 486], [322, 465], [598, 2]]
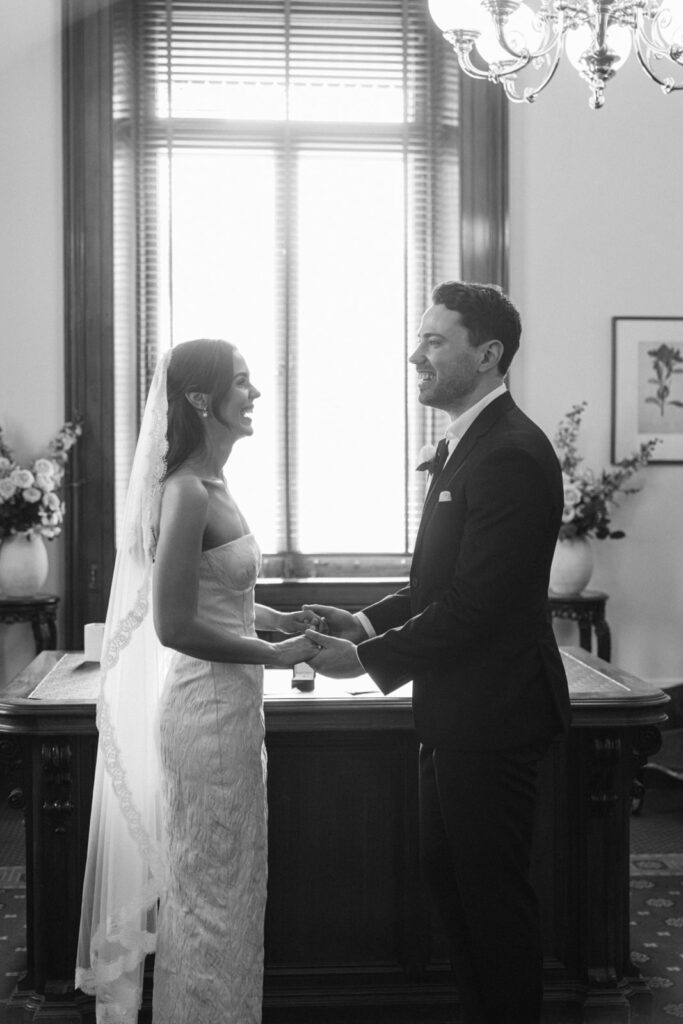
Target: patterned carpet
[[657, 929], [12, 902], [12, 931], [659, 825]]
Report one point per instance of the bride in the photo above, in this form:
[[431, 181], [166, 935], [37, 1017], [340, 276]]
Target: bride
[[178, 823]]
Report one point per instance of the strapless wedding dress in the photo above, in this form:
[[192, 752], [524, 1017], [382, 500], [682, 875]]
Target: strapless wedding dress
[[209, 960]]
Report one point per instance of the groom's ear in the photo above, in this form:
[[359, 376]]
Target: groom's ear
[[492, 353], [198, 399]]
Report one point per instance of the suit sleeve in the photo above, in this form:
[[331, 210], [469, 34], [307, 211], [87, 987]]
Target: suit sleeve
[[391, 611], [499, 581]]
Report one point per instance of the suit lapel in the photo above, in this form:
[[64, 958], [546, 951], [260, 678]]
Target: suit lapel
[[481, 426]]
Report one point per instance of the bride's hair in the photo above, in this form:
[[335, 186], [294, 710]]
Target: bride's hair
[[204, 365]]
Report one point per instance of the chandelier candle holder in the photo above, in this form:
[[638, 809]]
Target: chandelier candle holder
[[510, 42]]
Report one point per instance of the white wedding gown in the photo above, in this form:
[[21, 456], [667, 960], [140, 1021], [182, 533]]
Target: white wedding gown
[[209, 960]]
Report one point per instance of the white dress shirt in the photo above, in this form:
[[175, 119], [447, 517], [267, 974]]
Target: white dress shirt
[[457, 427]]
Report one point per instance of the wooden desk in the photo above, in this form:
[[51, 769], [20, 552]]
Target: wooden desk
[[349, 931], [40, 611], [588, 610]]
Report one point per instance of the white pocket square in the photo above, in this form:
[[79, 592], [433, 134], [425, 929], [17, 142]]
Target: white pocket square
[[445, 496]]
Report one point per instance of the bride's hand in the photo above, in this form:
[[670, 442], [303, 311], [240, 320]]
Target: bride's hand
[[301, 620], [338, 622], [289, 652]]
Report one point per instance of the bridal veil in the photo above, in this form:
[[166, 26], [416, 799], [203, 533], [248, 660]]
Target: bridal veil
[[125, 870]]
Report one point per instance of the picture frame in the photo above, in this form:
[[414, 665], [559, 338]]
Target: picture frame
[[647, 386]]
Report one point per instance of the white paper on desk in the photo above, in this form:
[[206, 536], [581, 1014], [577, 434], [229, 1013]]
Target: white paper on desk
[[369, 687], [72, 678], [363, 684]]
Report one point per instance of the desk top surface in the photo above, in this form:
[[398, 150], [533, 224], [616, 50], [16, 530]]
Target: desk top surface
[[599, 691]]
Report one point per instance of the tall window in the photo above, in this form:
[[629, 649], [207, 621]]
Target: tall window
[[294, 176], [296, 192]]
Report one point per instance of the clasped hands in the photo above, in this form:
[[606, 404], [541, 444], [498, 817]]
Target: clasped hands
[[332, 634]]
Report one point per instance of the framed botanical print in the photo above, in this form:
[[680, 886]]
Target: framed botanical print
[[647, 386]]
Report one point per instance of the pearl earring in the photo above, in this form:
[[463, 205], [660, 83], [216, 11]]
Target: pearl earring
[[204, 414]]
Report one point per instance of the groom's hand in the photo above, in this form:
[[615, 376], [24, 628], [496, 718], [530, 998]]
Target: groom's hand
[[300, 621], [336, 658], [338, 622]]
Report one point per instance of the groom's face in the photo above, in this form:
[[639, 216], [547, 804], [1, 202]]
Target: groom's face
[[447, 364]]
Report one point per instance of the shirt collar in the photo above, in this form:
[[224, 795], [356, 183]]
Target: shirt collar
[[457, 427]]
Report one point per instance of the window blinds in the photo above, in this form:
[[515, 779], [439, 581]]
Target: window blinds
[[298, 95]]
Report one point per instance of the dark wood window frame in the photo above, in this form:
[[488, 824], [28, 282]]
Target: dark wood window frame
[[89, 295]]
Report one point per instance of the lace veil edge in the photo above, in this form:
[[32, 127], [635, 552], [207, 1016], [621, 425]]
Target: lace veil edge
[[126, 870]]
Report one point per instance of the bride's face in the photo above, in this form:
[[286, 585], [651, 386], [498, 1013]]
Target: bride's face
[[238, 405]]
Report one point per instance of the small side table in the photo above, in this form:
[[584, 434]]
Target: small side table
[[588, 610], [40, 611]]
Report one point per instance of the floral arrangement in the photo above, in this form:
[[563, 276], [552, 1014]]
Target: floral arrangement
[[589, 497], [29, 498]]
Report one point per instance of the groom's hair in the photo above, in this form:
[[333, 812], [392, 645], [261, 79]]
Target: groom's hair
[[486, 313], [204, 365]]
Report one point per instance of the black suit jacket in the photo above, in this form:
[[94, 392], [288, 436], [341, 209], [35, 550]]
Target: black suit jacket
[[473, 629]]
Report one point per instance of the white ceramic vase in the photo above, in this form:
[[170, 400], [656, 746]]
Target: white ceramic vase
[[23, 564], [572, 566]]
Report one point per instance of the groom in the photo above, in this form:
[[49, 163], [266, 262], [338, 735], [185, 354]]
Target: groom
[[472, 631]]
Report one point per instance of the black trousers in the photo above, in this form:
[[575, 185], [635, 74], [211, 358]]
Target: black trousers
[[476, 825]]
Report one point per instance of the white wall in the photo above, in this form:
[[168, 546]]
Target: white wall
[[597, 232], [31, 263]]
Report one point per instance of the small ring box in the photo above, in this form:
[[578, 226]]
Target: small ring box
[[303, 677]]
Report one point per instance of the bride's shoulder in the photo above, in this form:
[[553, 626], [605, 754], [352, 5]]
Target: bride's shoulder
[[184, 488]]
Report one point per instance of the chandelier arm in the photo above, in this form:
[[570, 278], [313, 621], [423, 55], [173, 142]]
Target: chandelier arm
[[522, 58], [509, 68], [529, 94], [555, 41], [525, 56], [645, 40], [471, 69], [463, 44], [667, 84]]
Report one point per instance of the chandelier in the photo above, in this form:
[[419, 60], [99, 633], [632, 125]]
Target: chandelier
[[509, 42]]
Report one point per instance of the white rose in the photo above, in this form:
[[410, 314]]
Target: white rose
[[31, 494], [44, 467], [7, 489], [22, 478], [45, 482], [572, 495], [4, 463], [51, 501], [425, 456], [568, 514]]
